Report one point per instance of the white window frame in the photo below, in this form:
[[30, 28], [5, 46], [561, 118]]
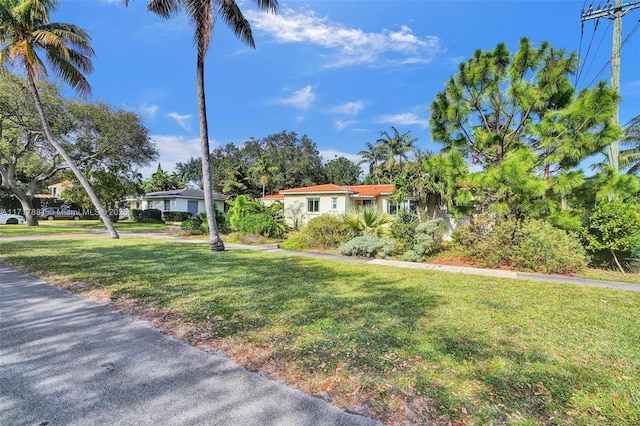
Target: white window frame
[[315, 207]]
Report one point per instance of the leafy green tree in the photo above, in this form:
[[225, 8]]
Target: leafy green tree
[[163, 181], [235, 180], [191, 171], [107, 144], [25, 30], [263, 170], [614, 226], [517, 116], [341, 171], [202, 14]]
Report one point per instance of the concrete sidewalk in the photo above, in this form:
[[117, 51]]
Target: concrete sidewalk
[[68, 361]]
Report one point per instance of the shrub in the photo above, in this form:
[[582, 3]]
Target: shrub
[[136, 215], [221, 221], [325, 231], [613, 232], [260, 223], [176, 216], [152, 215], [297, 241], [403, 230], [192, 226], [532, 245], [368, 246], [428, 238]]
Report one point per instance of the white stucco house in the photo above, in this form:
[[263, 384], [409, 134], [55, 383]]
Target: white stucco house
[[178, 200], [312, 201]]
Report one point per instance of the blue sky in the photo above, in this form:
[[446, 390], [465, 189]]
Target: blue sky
[[339, 71]]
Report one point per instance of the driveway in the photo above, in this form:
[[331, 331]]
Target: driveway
[[68, 361]]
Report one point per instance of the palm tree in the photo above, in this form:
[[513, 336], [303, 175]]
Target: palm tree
[[372, 156], [396, 147], [263, 168], [202, 14], [25, 30], [630, 157]]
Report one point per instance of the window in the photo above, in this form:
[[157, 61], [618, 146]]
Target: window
[[167, 205], [367, 203], [334, 203], [313, 205], [394, 208]]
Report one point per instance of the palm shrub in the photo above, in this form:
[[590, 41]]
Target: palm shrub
[[427, 239], [368, 221]]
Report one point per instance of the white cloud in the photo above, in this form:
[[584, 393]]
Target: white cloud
[[332, 154], [349, 46], [300, 99], [341, 125], [182, 120], [148, 111], [405, 118], [349, 108], [173, 149]]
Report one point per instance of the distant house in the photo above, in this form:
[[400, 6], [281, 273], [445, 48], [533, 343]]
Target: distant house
[[312, 201], [178, 200]]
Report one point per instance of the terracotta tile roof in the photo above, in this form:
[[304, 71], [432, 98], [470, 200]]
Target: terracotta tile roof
[[355, 190], [61, 184], [372, 190], [273, 197]]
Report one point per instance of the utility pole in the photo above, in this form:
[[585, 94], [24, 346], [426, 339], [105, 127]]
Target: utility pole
[[613, 11]]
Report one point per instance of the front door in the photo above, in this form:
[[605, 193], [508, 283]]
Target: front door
[[192, 207]]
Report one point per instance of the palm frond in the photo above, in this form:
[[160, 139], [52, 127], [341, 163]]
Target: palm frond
[[164, 8], [231, 14]]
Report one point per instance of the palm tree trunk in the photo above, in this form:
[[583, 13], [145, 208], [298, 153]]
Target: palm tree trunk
[[83, 181], [215, 243]]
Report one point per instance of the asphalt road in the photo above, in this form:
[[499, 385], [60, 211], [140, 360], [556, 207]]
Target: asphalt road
[[68, 361]]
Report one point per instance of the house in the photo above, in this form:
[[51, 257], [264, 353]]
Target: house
[[303, 204], [178, 200]]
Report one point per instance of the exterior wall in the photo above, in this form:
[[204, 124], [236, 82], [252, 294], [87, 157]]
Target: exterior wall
[[175, 204], [291, 200], [344, 203]]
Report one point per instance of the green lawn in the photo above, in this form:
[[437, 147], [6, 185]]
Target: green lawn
[[96, 224], [478, 349], [24, 230]]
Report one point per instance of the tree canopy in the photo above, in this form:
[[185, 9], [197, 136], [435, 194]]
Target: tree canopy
[[518, 118], [100, 139]]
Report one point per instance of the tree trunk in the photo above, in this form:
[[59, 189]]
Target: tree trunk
[[83, 181], [616, 260], [215, 243], [27, 207]]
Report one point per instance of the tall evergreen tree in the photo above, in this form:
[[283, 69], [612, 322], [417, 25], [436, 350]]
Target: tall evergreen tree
[[517, 116]]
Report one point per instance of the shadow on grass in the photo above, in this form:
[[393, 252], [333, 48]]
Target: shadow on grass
[[316, 314]]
